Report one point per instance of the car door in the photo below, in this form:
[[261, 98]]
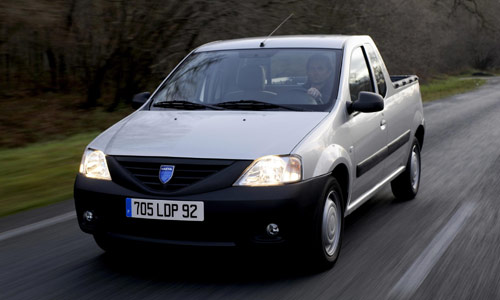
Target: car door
[[367, 130], [397, 113]]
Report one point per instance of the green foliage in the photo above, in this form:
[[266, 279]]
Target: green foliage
[[449, 86], [40, 174]]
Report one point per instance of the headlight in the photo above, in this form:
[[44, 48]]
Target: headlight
[[94, 165], [272, 170]]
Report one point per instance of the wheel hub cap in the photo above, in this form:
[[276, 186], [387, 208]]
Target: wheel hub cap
[[331, 225], [415, 169]]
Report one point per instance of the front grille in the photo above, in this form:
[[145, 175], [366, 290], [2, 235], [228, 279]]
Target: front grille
[[186, 172]]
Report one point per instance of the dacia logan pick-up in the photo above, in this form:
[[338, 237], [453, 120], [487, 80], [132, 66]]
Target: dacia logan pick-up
[[255, 142]]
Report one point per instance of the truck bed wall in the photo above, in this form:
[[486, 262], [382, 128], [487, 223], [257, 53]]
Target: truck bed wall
[[402, 80]]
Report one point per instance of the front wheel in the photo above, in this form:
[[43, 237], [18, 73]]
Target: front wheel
[[405, 186], [328, 228]]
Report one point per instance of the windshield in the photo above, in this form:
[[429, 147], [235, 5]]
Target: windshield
[[260, 79]]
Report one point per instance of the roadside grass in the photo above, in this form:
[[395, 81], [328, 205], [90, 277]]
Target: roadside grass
[[25, 120], [40, 174], [43, 140], [448, 86]]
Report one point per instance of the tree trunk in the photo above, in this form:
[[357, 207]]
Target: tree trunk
[[118, 89], [53, 68], [63, 80], [94, 88]]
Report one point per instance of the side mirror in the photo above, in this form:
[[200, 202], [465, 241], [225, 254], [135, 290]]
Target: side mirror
[[367, 102], [140, 99]]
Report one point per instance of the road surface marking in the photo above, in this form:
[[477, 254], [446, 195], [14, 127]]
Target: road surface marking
[[419, 270], [35, 226]]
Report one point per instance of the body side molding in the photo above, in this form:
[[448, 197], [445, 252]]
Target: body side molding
[[382, 154]]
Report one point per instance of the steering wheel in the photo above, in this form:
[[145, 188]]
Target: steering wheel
[[300, 96]]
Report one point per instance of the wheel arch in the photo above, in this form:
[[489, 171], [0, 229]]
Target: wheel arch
[[341, 174], [419, 134], [335, 161]]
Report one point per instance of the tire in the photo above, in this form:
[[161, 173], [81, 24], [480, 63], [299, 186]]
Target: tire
[[328, 228], [406, 185]]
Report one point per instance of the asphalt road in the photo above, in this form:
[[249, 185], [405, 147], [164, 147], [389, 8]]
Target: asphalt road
[[445, 244]]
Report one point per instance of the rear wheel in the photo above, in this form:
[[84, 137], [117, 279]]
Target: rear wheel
[[405, 186]]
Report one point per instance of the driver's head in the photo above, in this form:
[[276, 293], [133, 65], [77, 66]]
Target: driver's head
[[319, 69]]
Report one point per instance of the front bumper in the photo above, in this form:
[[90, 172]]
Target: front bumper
[[233, 215]]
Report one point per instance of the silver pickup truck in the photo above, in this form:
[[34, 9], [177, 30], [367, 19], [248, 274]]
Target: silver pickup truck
[[255, 142]]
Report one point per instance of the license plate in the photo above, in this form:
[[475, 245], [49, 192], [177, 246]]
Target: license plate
[[165, 209]]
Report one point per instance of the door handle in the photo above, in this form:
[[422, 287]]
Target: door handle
[[383, 124]]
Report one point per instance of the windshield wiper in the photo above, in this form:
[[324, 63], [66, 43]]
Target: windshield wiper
[[255, 105], [184, 104]]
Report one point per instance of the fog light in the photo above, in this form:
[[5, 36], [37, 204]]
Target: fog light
[[272, 229], [88, 216]]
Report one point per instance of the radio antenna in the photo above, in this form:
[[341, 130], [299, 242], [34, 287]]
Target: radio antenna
[[262, 43]]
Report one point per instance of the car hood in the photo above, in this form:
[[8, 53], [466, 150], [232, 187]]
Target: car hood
[[209, 134]]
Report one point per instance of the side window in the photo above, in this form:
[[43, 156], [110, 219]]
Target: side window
[[359, 75], [377, 69]]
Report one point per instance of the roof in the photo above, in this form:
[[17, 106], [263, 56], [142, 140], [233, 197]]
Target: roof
[[290, 41]]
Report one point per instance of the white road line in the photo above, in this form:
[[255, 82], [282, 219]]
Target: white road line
[[416, 274], [35, 226]]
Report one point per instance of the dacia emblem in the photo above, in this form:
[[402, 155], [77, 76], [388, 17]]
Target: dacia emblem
[[166, 173]]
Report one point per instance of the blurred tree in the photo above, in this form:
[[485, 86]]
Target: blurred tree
[[119, 47]]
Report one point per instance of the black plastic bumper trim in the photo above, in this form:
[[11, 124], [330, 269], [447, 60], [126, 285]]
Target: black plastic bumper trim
[[234, 214], [172, 242]]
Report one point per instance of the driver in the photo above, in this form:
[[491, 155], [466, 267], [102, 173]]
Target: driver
[[319, 78]]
